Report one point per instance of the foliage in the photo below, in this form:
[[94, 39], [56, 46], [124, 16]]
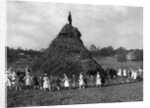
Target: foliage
[[107, 51], [121, 55], [96, 53], [19, 57], [138, 55]]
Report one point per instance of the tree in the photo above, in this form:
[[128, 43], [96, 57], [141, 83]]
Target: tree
[[138, 55], [107, 51], [121, 55], [92, 48]]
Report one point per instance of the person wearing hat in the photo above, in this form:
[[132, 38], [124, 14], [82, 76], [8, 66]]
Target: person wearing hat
[[46, 83]]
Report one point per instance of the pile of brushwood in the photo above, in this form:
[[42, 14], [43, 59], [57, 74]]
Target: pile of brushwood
[[66, 54]]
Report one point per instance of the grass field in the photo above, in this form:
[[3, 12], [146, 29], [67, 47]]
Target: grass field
[[116, 93], [111, 62]]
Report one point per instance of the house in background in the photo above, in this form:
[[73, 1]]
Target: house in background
[[130, 55]]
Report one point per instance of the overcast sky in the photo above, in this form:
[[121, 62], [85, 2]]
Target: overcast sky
[[35, 24]]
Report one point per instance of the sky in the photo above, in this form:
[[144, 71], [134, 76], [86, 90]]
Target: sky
[[33, 25]]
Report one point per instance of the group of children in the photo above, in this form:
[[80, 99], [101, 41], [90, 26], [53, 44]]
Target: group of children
[[67, 82], [45, 82], [130, 73]]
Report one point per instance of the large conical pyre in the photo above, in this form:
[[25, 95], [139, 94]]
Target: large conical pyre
[[67, 54]]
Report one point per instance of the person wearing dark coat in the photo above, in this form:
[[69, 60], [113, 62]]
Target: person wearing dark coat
[[70, 18], [36, 82], [41, 82], [73, 81]]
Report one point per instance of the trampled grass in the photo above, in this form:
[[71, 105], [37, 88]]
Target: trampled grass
[[115, 93]]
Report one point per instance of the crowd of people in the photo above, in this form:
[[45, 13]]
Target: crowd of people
[[21, 80]]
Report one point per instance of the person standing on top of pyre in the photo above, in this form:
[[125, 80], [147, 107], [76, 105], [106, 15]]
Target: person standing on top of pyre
[[70, 18]]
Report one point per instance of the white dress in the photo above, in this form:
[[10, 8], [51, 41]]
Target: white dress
[[132, 73], [140, 71], [8, 81], [66, 82], [124, 73], [119, 72], [135, 75], [81, 82], [46, 83], [98, 80], [13, 77], [28, 80]]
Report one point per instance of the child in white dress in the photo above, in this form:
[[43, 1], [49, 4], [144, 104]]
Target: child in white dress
[[66, 82], [119, 72], [46, 83], [98, 80], [28, 80], [135, 75], [81, 81], [8, 81], [124, 73]]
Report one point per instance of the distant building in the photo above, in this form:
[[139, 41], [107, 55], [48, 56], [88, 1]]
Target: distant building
[[92, 48], [130, 55], [21, 53]]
